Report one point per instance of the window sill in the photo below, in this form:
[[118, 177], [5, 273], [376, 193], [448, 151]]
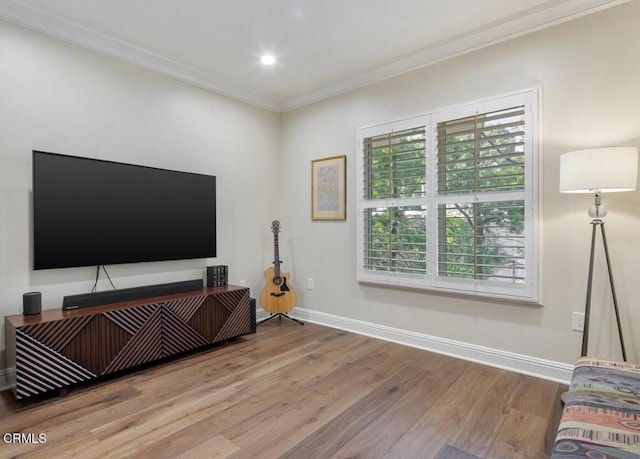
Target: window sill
[[458, 293]]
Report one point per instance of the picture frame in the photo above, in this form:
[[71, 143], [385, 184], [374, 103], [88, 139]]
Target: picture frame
[[328, 188]]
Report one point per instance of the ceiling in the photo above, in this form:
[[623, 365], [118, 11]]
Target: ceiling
[[323, 47]]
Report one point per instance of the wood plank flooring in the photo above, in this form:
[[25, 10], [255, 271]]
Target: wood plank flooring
[[296, 391]]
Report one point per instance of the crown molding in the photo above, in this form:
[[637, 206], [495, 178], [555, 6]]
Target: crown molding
[[22, 15], [545, 15], [540, 17]]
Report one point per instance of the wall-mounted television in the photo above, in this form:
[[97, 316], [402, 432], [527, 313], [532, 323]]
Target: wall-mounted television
[[90, 212]]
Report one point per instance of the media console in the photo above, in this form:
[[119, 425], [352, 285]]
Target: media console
[[57, 349]]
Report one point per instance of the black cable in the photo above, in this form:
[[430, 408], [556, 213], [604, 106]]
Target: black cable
[[95, 284], [105, 271]]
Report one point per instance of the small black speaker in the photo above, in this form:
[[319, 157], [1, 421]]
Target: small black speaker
[[217, 276], [31, 303]]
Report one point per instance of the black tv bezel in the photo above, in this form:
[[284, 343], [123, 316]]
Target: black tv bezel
[[211, 254]]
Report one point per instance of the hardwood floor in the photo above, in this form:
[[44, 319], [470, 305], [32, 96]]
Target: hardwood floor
[[296, 391]]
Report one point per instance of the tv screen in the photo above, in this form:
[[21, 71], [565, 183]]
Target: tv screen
[[89, 212]]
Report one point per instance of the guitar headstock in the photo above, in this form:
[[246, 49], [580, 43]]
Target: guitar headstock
[[275, 226]]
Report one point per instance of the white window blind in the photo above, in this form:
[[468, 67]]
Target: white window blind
[[480, 156], [394, 164], [394, 230], [448, 200], [483, 241], [482, 153]]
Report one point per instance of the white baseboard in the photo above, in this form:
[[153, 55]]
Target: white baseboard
[[532, 366]]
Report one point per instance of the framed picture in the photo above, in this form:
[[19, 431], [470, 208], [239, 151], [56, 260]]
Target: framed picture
[[328, 188]]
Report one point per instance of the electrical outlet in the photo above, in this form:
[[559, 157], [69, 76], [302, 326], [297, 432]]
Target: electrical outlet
[[309, 283], [243, 283], [577, 322]]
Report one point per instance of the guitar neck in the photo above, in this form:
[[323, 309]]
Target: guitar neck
[[276, 250]]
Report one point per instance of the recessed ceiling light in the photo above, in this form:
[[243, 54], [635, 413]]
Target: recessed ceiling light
[[268, 59]]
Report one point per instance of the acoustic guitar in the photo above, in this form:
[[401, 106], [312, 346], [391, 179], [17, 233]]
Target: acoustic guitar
[[278, 296]]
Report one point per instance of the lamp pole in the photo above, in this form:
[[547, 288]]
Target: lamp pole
[[585, 335]]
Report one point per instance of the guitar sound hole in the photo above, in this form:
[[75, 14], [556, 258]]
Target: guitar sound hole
[[277, 280]]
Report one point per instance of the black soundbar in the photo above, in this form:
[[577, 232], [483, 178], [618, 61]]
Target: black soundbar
[[84, 300]]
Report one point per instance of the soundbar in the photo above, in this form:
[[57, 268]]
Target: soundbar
[[84, 300]]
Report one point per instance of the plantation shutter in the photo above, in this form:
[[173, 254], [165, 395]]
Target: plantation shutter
[[480, 158], [394, 230], [482, 153], [394, 164]]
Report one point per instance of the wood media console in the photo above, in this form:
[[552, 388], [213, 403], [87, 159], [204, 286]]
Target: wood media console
[[57, 349]]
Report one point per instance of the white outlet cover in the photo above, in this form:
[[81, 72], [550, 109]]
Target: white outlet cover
[[577, 321]]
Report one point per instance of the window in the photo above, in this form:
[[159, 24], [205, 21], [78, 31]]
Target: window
[[448, 200]]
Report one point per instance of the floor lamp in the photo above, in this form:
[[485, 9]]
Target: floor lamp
[[598, 171]]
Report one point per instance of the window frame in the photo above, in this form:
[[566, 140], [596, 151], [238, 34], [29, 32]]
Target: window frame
[[529, 290]]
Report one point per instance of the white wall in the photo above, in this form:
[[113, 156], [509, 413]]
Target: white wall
[[589, 73], [60, 98]]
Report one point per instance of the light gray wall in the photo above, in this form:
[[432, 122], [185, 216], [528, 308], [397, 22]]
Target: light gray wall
[[56, 97], [60, 98], [589, 72]]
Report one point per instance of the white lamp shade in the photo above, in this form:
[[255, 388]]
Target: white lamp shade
[[599, 169]]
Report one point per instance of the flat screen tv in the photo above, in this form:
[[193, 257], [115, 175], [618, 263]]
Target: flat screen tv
[[89, 212]]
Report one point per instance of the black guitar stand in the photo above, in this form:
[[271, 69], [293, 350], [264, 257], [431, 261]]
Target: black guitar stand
[[280, 315]]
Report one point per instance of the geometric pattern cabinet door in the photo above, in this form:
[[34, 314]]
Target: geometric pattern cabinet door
[[60, 348]]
